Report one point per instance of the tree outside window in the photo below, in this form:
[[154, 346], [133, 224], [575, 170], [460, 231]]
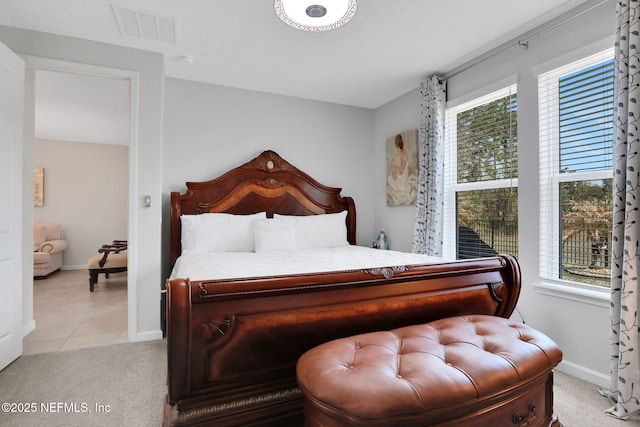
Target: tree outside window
[[576, 115], [484, 182]]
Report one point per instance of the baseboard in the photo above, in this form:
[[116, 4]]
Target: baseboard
[[28, 327], [147, 336], [584, 373], [74, 267]]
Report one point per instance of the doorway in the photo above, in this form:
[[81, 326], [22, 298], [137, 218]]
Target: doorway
[[87, 189]]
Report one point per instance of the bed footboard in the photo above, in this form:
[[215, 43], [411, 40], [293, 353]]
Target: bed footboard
[[233, 344]]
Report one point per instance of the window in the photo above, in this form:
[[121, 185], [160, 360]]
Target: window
[[576, 155], [481, 173]]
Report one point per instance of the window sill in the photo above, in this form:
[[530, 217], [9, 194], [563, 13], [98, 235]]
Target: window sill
[[584, 294]]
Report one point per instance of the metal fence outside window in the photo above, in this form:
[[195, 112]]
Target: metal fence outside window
[[585, 255], [481, 238]]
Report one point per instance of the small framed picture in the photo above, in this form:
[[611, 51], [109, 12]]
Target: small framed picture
[[38, 187]]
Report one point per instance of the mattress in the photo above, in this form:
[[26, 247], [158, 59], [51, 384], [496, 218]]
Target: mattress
[[229, 265]]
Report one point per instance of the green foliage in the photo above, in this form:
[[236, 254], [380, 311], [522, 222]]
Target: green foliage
[[487, 151], [497, 204], [587, 206], [584, 191], [487, 141]]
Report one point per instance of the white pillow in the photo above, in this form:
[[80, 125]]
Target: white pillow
[[318, 231], [218, 232], [273, 235]]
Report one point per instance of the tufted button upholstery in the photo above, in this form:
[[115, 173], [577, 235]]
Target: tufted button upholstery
[[422, 368]]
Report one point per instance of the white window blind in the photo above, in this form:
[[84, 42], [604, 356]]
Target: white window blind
[[481, 172], [576, 142]]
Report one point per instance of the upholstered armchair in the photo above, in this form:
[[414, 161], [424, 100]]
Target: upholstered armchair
[[48, 247]]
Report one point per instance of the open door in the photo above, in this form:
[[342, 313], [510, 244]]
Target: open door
[[12, 74]]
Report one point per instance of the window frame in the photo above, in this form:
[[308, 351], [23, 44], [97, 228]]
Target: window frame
[[549, 282], [451, 186]]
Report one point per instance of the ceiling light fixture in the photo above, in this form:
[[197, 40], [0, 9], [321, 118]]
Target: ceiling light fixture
[[316, 15]]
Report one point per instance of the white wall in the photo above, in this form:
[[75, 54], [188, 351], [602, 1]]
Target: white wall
[[145, 156], [210, 129], [581, 329], [87, 192]]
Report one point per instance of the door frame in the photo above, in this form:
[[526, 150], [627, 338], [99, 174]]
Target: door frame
[[48, 64], [12, 251]]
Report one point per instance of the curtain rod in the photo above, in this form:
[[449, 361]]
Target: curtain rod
[[523, 39]]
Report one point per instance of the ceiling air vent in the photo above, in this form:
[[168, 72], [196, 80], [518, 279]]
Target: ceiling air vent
[[133, 23]]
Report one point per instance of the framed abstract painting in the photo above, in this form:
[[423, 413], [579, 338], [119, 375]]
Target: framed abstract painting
[[38, 187]]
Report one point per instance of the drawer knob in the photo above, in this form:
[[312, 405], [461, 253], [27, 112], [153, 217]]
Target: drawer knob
[[526, 419]]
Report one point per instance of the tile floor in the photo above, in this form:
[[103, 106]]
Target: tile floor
[[69, 317]]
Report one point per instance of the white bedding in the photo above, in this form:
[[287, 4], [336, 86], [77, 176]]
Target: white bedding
[[227, 265]]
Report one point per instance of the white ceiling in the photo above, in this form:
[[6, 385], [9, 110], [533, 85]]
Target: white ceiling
[[385, 52]]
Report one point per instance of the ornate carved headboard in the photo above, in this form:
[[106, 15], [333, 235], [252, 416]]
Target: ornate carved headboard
[[268, 184]]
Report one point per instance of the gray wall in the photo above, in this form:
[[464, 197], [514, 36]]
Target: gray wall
[[209, 129], [392, 118], [579, 324]]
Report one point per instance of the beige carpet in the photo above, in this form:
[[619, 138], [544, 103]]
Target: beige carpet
[[124, 385], [116, 385], [578, 404]]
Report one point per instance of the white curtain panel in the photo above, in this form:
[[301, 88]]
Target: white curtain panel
[[427, 235], [625, 345]]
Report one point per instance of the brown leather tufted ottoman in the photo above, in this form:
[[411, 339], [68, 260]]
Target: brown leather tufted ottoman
[[461, 371]]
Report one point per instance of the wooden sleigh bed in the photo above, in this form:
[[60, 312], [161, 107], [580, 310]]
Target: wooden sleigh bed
[[233, 343]]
